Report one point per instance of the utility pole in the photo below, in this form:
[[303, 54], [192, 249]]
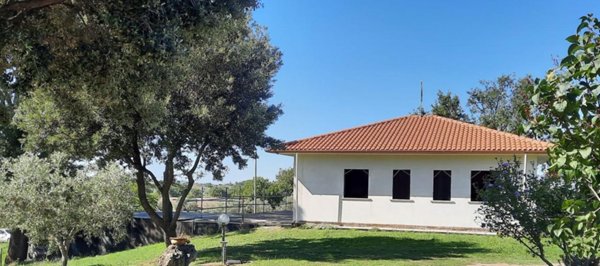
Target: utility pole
[[255, 174]]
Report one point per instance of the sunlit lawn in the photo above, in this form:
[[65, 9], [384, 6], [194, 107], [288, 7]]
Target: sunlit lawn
[[3, 248], [277, 246]]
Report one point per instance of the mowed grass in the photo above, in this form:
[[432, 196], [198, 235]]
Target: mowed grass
[[4, 249], [279, 246]]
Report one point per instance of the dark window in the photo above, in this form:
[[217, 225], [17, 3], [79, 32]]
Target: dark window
[[401, 184], [478, 181], [356, 183], [441, 184]]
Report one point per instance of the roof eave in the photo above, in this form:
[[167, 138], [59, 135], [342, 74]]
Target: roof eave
[[292, 152]]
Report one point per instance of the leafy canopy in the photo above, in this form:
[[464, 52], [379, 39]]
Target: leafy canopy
[[180, 83], [522, 205], [53, 202], [496, 103], [566, 106], [448, 105]]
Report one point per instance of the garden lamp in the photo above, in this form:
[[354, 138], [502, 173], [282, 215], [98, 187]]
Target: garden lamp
[[223, 221]]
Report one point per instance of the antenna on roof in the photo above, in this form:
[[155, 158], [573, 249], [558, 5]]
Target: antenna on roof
[[421, 105], [421, 110]]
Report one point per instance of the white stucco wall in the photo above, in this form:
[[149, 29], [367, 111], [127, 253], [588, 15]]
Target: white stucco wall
[[321, 184]]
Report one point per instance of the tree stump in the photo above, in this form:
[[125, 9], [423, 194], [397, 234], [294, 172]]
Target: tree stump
[[178, 255]]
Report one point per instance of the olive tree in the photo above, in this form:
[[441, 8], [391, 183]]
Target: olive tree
[[52, 201], [176, 83]]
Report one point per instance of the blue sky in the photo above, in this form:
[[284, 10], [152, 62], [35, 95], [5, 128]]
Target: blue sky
[[348, 63]]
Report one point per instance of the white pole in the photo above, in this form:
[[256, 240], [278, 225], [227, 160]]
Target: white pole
[[525, 163], [524, 168], [255, 174], [296, 188]]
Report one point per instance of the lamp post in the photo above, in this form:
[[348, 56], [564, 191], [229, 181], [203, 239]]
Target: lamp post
[[254, 189], [223, 221]]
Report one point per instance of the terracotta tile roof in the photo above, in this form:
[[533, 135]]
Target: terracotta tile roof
[[417, 134]]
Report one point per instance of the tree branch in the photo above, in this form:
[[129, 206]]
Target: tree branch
[[593, 191], [140, 180], [183, 197], [154, 179], [197, 161], [145, 170], [190, 185]]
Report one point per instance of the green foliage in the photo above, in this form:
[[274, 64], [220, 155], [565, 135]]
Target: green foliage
[[215, 191], [177, 189], [10, 146], [153, 196], [196, 192], [565, 108], [448, 105], [262, 187], [284, 181], [419, 111], [179, 83], [522, 206], [497, 104], [52, 202], [272, 192]]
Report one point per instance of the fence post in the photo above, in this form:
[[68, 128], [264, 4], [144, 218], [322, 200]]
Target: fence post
[[243, 210], [263, 203], [202, 200], [226, 197]]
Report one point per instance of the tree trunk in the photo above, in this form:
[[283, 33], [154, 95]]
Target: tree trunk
[[170, 231], [17, 247], [168, 221], [168, 179], [63, 246], [167, 217]]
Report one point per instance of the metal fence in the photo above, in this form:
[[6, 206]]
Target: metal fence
[[239, 204]]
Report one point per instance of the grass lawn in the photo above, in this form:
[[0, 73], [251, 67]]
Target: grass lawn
[[4, 248], [278, 246]]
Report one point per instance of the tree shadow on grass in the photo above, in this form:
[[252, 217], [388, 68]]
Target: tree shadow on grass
[[335, 249]]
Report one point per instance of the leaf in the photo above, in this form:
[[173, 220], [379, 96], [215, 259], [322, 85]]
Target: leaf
[[536, 98], [558, 232], [560, 106], [573, 38], [573, 48], [585, 153], [560, 162], [568, 60], [581, 26], [563, 89], [573, 164]]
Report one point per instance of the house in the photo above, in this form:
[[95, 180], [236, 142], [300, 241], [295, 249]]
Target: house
[[413, 171]]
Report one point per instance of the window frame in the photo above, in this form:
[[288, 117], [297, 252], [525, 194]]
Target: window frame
[[345, 191], [394, 173], [436, 173], [489, 175]]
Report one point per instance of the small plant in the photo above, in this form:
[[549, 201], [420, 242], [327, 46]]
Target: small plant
[[522, 206]]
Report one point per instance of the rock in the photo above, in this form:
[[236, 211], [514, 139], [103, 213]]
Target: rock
[[176, 255]]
